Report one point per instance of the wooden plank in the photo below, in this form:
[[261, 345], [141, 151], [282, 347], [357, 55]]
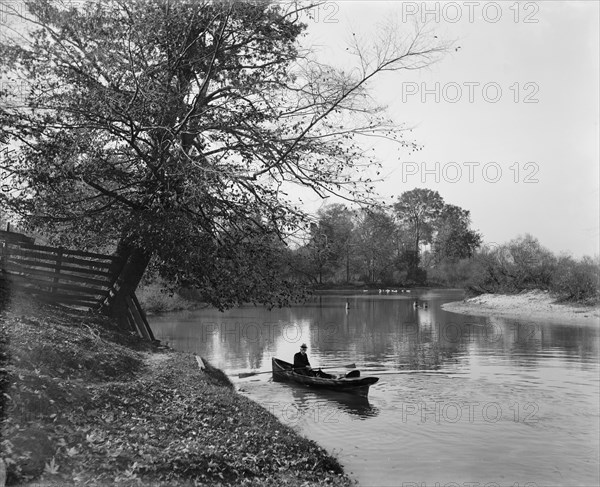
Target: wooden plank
[[67, 269], [67, 288], [51, 257], [140, 311], [87, 263], [14, 240], [42, 276], [43, 280], [70, 277], [58, 298], [37, 274], [61, 298], [78, 292], [3, 254], [133, 324], [141, 326], [80, 253], [52, 300], [56, 280], [15, 237]]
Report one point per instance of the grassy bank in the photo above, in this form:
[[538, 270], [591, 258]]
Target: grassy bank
[[84, 403]]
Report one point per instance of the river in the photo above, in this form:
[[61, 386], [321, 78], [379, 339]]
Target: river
[[461, 400]]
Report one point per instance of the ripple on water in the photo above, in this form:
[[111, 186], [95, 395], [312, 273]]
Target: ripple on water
[[513, 407]]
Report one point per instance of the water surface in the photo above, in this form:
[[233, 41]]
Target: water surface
[[461, 400]]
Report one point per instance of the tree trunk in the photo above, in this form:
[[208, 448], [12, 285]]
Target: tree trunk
[[347, 265], [417, 237], [136, 261]]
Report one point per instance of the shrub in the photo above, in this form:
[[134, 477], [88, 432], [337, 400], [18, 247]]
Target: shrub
[[453, 274], [155, 297], [523, 264], [532, 264], [577, 280], [519, 265]]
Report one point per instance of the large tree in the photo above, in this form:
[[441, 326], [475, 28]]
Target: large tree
[[454, 239], [418, 211], [375, 245], [334, 227], [175, 128]]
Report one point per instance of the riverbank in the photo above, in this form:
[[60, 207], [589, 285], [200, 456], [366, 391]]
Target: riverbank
[[85, 403], [156, 298], [531, 305]]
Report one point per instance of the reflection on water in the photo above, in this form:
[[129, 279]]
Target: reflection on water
[[351, 404], [460, 398]]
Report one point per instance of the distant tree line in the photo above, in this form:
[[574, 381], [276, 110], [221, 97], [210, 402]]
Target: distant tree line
[[421, 240], [386, 245]]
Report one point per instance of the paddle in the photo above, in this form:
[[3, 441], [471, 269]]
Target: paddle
[[415, 371], [250, 374]]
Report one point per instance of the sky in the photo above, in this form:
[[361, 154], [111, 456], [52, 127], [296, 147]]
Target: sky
[[507, 119]]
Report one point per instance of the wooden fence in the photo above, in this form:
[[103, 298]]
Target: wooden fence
[[71, 278]]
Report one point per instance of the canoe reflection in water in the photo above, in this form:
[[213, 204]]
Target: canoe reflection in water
[[324, 405]]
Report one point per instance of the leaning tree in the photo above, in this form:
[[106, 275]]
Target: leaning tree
[[175, 130]]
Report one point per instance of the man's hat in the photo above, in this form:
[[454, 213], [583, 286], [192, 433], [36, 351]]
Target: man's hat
[[303, 345]]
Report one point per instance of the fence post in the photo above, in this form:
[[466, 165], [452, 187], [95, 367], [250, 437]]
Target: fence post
[[57, 268], [137, 318], [140, 311]]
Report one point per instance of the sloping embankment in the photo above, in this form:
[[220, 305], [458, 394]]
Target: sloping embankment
[[84, 403]]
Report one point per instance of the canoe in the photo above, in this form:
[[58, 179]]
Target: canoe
[[284, 371]]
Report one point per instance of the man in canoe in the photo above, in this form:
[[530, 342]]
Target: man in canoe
[[302, 365]]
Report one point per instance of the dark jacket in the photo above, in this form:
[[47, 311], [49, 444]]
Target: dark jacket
[[301, 360]]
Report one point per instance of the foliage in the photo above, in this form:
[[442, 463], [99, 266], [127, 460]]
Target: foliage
[[150, 418], [3, 221], [425, 219], [454, 240], [177, 128], [457, 274], [577, 280], [418, 211], [318, 255], [375, 245], [524, 264], [518, 265], [155, 297], [330, 243]]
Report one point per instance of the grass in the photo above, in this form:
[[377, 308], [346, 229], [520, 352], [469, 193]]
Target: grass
[[84, 403]]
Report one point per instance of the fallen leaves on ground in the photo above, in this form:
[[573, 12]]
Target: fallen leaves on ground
[[85, 403]]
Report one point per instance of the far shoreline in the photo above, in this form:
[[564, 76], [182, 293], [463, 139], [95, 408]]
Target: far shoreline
[[531, 305]]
